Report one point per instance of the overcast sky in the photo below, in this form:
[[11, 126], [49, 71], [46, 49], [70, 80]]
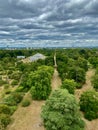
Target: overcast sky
[[49, 22]]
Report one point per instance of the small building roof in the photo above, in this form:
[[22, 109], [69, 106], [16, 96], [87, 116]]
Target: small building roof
[[36, 57]]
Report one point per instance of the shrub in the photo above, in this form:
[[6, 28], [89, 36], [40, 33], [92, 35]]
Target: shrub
[[6, 86], [61, 112], [20, 89], [25, 103], [14, 98], [79, 85], [14, 82], [16, 75], [90, 115], [89, 104], [70, 85], [10, 101], [23, 84], [13, 109], [4, 120], [77, 73], [5, 109], [95, 82]]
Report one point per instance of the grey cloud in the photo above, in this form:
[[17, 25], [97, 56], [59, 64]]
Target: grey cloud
[[50, 21]]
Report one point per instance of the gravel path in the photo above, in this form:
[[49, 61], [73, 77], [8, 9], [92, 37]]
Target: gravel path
[[87, 85]]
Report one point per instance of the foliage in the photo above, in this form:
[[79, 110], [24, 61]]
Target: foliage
[[25, 102], [89, 104], [13, 99], [40, 82], [95, 82], [2, 82], [77, 73], [20, 89], [16, 75], [13, 109], [49, 61], [70, 85], [82, 63], [94, 61], [72, 64], [23, 84], [61, 112], [5, 109], [4, 120], [14, 82], [68, 60], [79, 85]]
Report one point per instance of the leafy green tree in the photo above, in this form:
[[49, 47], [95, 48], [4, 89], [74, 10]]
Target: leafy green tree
[[77, 73], [95, 82], [70, 85], [61, 112], [89, 104], [40, 82], [82, 63], [49, 61], [13, 99], [94, 61], [71, 62]]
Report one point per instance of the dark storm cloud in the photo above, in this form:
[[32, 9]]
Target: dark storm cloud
[[33, 22]]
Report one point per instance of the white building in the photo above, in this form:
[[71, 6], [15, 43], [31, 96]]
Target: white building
[[36, 57]]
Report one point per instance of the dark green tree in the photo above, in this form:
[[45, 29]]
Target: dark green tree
[[95, 82], [89, 104], [77, 73], [82, 63]]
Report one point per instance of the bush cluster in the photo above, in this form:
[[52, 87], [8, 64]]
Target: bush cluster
[[13, 99], [5, 113], [25, 102], [89, 104]]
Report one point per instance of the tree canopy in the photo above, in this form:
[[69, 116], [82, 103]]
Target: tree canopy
[[40, 82], [70, 85], [89, 104], [61, 112]]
